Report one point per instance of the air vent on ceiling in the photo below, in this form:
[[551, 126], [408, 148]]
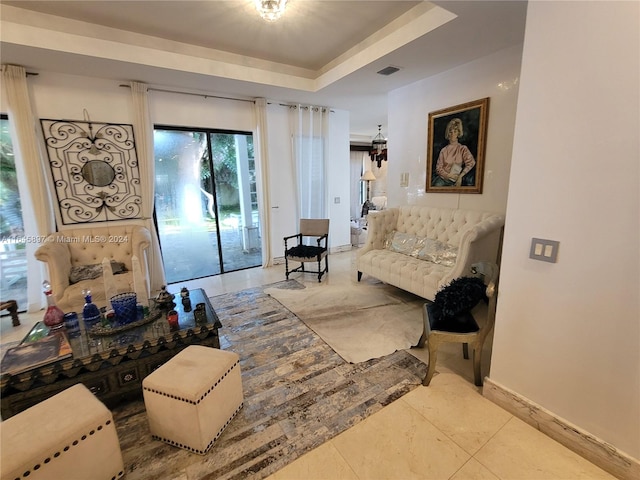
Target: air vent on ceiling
[[388, 70]]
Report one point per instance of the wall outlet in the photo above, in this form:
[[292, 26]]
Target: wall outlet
[[544, 250], [336, 200]]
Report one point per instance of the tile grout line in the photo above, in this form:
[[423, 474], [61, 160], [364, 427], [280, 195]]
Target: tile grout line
[[511, 417]]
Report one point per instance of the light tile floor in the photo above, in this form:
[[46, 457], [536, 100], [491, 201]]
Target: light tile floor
[[445, 431]]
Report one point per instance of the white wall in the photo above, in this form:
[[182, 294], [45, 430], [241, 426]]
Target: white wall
[[567, 334], [195, 111], [494, 76], [56, 96], [339, 180]]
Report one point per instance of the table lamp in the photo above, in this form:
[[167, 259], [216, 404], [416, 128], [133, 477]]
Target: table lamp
[[367, 177]]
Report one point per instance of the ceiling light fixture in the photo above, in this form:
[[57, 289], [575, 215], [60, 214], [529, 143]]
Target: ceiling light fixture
[[378, 151], [271, 10]]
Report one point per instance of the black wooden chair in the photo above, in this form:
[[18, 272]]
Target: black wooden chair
[[311, 231]]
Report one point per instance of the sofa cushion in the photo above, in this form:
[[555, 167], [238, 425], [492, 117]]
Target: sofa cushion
[[91, 272], [404, 271], [73, 298], [435, 251], [422, 248], [404, 243]]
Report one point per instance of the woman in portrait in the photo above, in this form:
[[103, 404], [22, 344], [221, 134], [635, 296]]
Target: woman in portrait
[[455, 160]]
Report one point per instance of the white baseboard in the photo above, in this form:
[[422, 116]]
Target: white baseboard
[[594, 449]]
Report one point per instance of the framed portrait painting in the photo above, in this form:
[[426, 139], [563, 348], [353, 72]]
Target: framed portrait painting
[[456, 144]]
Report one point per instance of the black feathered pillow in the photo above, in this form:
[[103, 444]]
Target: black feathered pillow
[[460, 296]]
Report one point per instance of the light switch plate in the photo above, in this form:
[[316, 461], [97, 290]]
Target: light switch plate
[[545, 250], [404, 179]]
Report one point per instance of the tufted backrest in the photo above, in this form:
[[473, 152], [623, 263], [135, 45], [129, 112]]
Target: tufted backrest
[[443, 224], [89, 246]]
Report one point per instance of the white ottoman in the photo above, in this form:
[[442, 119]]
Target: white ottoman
[[193, 397], [70, 435]]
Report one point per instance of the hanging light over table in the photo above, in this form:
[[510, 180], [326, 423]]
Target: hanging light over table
[[378, 151]]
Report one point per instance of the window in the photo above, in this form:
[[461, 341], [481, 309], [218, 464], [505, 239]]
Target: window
[[13, 259], [206, 205]]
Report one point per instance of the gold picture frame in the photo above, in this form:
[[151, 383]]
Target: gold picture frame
[[456, 148]]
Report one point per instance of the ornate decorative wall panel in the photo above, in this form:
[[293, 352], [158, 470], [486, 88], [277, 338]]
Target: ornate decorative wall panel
[[95, 170]]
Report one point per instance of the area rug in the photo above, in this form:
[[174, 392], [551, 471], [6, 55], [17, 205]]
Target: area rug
[[359, 321], [298, 393]]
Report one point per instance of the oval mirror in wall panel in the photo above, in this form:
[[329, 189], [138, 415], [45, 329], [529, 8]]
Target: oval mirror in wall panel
[[98, 173]]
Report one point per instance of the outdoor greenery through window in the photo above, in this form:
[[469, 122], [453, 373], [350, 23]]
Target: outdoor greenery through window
[[206, 204], [13, 260]]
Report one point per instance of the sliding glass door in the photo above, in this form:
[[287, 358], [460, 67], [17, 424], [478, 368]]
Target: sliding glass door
[[13, 257], [206, 204]]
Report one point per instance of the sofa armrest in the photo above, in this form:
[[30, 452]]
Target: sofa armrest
[[140, 242], [477, 245], [58, 259], [379, 224]]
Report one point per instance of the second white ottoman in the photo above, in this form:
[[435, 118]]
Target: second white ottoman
[[68, 436], [193, 397]]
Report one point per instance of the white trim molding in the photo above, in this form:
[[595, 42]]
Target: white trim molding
[[594, 449]]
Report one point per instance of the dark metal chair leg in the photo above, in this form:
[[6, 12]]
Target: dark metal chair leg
[[12, 307]]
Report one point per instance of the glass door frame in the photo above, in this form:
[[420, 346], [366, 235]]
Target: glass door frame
[[211, 183]]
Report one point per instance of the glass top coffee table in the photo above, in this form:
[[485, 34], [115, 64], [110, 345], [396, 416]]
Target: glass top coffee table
[[112, 365]]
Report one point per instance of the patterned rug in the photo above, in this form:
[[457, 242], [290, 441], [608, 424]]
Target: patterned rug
[[298, 393]]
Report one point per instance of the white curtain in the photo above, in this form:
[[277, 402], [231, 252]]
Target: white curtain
[[309, 127], [143, 129], [37, 215], [357, 169], [262, 169]]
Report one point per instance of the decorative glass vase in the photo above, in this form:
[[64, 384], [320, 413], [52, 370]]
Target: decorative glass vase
[[125, 306], [53, 317], [90, 312]]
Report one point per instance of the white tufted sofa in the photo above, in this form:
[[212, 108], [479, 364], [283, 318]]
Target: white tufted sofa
[[89, 246], [476, 234]]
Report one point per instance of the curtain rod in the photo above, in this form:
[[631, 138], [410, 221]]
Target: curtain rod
[[224, 98], [290, 105], [151, 89]]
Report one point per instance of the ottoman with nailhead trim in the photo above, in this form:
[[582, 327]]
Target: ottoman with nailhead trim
[[70, 435], [193, 397]]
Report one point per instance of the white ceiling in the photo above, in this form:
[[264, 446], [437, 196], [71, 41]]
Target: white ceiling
[[321, 52]]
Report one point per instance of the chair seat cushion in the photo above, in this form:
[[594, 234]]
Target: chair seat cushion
[[462, 322], [73, 298], [305, 251]]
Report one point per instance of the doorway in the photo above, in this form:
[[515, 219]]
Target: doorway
[[206, 207]]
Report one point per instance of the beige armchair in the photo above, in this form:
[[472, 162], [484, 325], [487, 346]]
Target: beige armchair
[[62, 251]]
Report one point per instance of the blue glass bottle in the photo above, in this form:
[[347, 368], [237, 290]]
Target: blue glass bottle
[[90, 312]]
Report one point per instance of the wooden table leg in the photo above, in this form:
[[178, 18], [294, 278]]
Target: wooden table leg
[[12, 307]]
